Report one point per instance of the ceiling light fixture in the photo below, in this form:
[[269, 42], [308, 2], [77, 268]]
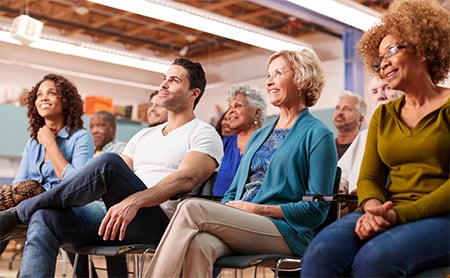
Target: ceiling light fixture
[[82, 10], [93, 51], [208, 22], [345, 11], [78, 74]]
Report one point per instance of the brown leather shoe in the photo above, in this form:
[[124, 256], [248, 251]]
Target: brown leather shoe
[[12, 195]]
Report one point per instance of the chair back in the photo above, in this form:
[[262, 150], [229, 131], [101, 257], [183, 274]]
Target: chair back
[[333, 212], [203, 189], [207, 186]]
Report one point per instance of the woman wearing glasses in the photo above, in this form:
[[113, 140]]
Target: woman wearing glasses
[[402, 225]]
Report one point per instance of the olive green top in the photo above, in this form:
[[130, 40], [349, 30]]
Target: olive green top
[[415, 160]]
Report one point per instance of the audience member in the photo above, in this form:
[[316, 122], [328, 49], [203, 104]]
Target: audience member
[[381, 93], [223, 125], [350, 162], [156, 114], [103, 129], [403, 226], [58, 143], [262, 212], [246, 113], [348, 117], [158, 163]]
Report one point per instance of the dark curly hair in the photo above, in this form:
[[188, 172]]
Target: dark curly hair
[[72, 105], [423, 25]]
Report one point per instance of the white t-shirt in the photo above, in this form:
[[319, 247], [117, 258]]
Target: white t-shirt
[[350, 162], [156, 156]]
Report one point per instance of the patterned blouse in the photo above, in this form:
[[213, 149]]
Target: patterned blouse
[[261, 161]]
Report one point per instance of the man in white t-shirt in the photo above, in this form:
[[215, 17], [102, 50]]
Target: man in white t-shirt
[[158, 163], [351, 160]]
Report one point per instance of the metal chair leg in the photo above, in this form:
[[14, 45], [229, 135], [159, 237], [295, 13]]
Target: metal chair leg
[[90, 264], [75, 265], [64, 260]]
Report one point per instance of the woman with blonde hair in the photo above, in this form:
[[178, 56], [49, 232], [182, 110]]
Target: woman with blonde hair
[[262, 211]]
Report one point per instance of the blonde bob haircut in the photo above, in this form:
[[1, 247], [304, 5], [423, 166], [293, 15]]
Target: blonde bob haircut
[[308, 73]]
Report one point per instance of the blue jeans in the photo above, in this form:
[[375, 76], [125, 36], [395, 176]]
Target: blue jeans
[[400, 251], [68, 213]]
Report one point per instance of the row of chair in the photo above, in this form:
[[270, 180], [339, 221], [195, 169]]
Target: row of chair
[[277, 262]]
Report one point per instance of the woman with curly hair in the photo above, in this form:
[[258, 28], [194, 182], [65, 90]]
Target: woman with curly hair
[[402, 226], [58, 146], [58, 143]]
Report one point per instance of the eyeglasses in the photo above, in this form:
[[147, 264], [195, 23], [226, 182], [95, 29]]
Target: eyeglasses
[[389, 53]]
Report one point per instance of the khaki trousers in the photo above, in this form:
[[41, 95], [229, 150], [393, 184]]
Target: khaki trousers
[[202, 231]]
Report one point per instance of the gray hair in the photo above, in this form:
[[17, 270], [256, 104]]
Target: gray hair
[[108, 116], [254, 98], [361, 105]]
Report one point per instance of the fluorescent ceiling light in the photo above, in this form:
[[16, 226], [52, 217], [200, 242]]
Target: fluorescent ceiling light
[[345, 11], [94, 52], [78, 74], [212, 23]]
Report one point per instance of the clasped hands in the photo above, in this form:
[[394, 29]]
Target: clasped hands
[[376, 219]]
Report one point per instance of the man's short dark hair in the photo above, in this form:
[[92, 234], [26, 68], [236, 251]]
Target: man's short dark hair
[[196, 75]]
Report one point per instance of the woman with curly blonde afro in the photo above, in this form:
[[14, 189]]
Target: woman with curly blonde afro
[[402, 225]]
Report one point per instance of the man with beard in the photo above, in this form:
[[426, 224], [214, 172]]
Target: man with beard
[[348, 117], [350, 162]]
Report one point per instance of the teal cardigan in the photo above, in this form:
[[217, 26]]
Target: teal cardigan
[[304, 163]]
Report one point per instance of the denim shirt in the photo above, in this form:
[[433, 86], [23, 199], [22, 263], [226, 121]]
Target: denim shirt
[[77, 149]]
